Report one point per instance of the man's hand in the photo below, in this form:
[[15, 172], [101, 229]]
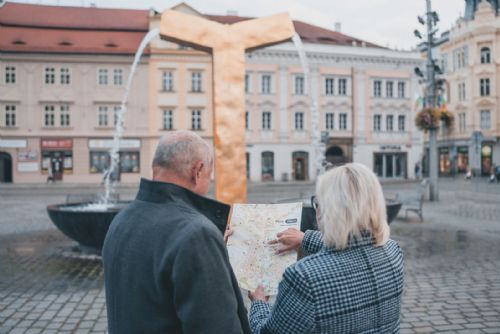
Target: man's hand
[[258, 294], [290, 239], [229, 231]]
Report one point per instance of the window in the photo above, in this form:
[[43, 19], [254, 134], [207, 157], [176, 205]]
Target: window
[[168, 81], [10, 74], [65, 118], [484, 87], [461, 92], [299, 85], [49, 116], [117, 77], [99, 162], [266, 84], [10, 115], [50, 75], [389, 85], [485, 120], [103, 116], [401, 123], [462, 122], [196, 119], [485, 56], [389, 126], [343, 121], [377, 88], [247, 115], [247, 83], [267, 166], [377, 120], [299, 121], [196, 82], [116, 112], [460, 57], [329, 86], [266, 120], [401, 89], [102, 74], [65, 76], [129, 162], [329, 120], [342, 86], [168, 119]]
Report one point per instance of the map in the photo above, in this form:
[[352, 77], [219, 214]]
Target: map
[[254, 261]]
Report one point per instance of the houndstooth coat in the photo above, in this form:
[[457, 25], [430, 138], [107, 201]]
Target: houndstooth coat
[[355, 290]]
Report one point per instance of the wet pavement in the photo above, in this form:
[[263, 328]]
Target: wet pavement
[[452, 262]]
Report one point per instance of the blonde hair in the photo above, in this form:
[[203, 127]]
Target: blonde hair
[[351, 201]]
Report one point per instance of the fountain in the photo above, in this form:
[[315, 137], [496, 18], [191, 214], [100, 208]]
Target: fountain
[[88, 222]]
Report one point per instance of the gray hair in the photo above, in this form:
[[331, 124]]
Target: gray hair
[[179, 150]]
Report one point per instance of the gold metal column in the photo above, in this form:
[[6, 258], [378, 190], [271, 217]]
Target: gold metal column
[[228, 44]]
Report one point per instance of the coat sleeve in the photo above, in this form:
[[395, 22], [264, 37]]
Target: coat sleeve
[[204, 297], [293, 311], [312, 242]]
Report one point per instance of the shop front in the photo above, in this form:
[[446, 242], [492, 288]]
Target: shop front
[[391, 163], [57, 157], [129, 154], [444, 161], [486, 158], [462, 159]]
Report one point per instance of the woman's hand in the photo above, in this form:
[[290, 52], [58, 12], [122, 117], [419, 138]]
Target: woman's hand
[[227, 233], [258, 294], [290, 239]]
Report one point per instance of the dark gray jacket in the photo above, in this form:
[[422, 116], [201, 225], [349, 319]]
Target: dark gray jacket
[[166, 266]]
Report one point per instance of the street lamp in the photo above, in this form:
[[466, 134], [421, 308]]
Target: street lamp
[[432, 69]]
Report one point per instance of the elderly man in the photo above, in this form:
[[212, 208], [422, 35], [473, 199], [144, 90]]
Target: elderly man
[[166, 267]]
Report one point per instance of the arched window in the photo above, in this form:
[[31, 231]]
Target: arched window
[[485, 55], [267, 166]]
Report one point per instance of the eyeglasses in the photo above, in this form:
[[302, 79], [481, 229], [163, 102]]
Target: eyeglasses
[[314, 202]]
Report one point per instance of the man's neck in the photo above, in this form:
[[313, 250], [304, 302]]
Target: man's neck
[[163, 175]]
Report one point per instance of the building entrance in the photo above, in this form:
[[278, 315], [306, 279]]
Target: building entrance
[[5, 167], [390, 165], [300, 162]]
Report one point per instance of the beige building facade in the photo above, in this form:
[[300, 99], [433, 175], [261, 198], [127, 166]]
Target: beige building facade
[[471, 65], [58, 99]]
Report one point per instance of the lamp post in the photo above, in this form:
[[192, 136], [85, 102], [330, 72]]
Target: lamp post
[[430, 94]]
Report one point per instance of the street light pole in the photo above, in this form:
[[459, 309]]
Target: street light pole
[[431, 102]]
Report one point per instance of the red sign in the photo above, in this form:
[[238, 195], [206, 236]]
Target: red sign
[[57, 143]]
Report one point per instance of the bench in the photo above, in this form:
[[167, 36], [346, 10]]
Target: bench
[[415, 202]]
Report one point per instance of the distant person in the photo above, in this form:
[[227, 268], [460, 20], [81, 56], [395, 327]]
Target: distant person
[[50, 174], [493, 177], [417, 171], [166, 267], [353, 282], [468, 173]]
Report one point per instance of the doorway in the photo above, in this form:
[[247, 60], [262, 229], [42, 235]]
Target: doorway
[[390, 165], [5, 167], [335, 155], [300, 162]]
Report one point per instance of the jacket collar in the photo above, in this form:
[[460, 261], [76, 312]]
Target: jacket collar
[[163, 192], [364, 239]]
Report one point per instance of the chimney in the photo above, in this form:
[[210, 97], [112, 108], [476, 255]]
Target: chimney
[[232, 13], [338, 27]]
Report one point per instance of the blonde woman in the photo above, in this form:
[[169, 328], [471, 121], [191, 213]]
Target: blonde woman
[[353, 281]]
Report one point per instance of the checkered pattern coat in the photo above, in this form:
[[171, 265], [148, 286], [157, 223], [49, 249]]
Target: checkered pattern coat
[[355, 290]]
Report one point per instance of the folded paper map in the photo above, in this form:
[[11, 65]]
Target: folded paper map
[[253, 259]]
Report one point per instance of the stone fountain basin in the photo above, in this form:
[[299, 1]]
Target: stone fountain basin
[[88, 227]]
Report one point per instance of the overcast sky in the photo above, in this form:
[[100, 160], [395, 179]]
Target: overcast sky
[[385, 22]]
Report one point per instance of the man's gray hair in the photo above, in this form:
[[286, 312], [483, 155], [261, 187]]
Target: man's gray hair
[[179, 150]]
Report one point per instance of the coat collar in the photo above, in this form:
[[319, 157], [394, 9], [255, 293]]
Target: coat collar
[[364, 239], [163, 192]]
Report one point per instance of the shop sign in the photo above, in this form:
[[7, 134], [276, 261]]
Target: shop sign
[[108, 143], [27, 156], [486, 150], [57, 143], [24, 167], [390, 147], [13, 143]]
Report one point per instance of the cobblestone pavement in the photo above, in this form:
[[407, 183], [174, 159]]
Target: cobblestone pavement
[[452, 262]]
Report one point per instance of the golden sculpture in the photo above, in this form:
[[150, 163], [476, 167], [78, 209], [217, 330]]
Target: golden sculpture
[[227, 44]]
